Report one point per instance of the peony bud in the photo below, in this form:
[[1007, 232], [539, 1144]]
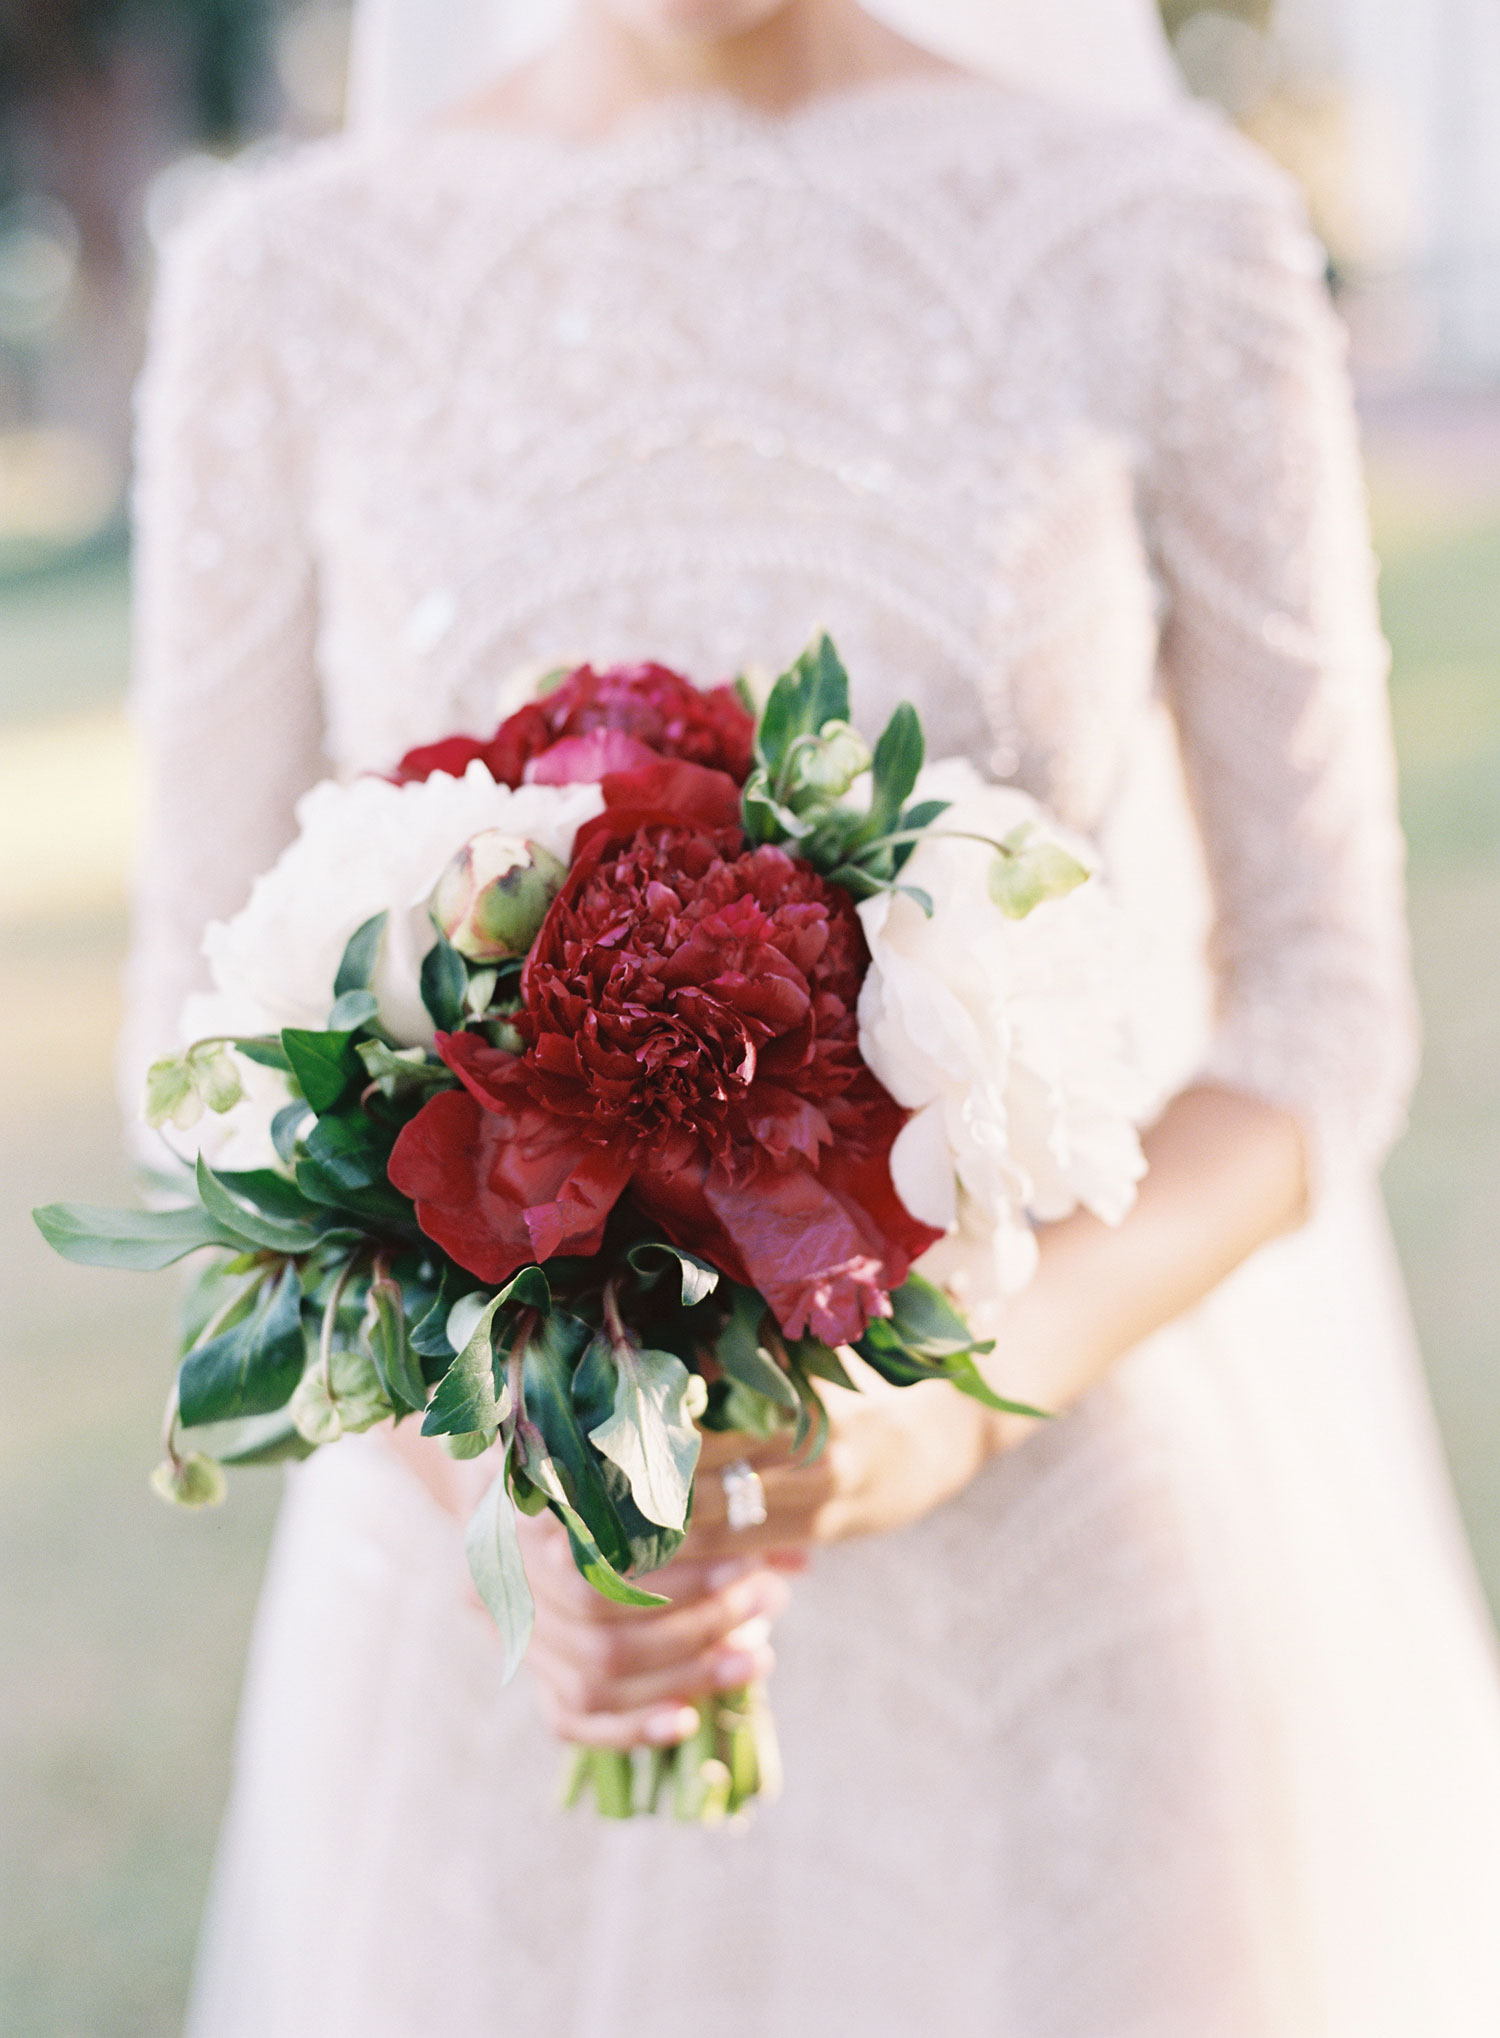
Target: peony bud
[[829, 763], [494, 895]]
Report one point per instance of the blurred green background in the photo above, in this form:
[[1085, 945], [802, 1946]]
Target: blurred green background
[[123, 1625]]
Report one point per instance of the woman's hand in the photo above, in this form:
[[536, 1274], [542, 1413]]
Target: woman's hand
[[620, 1676], [893, 1455]]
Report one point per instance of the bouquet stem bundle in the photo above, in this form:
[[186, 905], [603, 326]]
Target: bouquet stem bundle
[[730, 1762]]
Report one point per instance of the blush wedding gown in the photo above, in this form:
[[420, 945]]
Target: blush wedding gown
[[1182, 1722]]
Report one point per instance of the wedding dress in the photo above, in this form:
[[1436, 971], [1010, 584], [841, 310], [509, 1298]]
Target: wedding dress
[[1182, 1721]]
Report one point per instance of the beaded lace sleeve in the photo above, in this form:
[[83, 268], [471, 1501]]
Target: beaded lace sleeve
[[1276, 669], [225, 700]]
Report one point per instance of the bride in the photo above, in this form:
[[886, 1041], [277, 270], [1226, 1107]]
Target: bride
[[714, 320]]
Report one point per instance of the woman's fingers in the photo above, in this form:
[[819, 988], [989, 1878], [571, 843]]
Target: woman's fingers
[[662, 1726], [620, 1650], [584, 1686]]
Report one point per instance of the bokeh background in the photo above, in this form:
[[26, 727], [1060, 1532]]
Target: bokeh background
[[123, 1625]]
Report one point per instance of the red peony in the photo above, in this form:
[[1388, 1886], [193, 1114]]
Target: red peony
[[691, 1033], [598, 722]]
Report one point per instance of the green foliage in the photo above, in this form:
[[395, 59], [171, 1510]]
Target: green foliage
[[404, 1073], [698, 1279], [1030, 870], [468, 1401], [324, 1063], [745, 1359], [194, 1481], [340, 1397], [386, 1333], [356, 970], [494, 1554], [137, 1241], [253, 1365], [249, 1227], [650, 1432], [445, 984], [925, 1338]]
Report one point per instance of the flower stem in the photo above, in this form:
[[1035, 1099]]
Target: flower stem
[[727, 1764]]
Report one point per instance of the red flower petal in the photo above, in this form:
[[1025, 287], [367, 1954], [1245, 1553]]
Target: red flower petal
[[584, 760], [500, 1187], [453, 755]]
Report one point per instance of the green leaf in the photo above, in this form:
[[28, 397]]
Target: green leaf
[[494, 1553], [138, 1241], [740, 1409], [361, 955], [812, 1416], [967, 1378], [590, 1559], [468, 1400], [324, 1064], [251, 1368], [403, 1071], [651, 1545], [529, 1289], [445, 981], [740, 1352], [253, 1440], [814, 691], [273, 1194], [1032, 871], [284, 1129], [924, 813], [429, 1336], [821, 1361], [265, 1234], [171, 1094], [349, 1400], [353, 1010], [552, 1356], [593, 1392], [699, 1279], [216, 1077], [898, 759], [343, 1163], [767, 819], [267, 1053], [650, 1435], [396, 1363], [923, 1318]]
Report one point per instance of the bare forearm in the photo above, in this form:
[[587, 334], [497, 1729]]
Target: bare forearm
[[1227, 1175]]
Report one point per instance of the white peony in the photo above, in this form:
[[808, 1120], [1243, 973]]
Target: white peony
[[363, 848], [1006, 1039]]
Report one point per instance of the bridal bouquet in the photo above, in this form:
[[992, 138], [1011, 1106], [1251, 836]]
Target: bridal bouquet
[[612, 1079]]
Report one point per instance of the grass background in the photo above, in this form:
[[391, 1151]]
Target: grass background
[[124, 1625]]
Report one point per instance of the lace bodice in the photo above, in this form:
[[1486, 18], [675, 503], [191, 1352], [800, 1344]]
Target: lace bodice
[[1045, 417]]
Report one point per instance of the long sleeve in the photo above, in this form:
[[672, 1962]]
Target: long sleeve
[[225, 700], [1276, 671]]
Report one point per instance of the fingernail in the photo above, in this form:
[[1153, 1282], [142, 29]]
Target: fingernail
[[665, 1729], [724, 1574], [750, 1636], [762, 1592], [736, 1667]]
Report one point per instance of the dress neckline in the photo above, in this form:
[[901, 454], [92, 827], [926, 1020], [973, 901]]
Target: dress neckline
[[722, 116]]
